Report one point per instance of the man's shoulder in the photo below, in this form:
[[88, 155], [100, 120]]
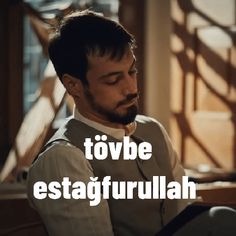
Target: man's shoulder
[[60, 151], [149, 127]]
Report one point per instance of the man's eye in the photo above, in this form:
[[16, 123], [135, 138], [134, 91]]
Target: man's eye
[[112, 82]]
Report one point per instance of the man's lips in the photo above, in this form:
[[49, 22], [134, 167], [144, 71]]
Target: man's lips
[[129, 103]]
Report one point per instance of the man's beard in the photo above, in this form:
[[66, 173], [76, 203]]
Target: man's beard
[[111, 115]]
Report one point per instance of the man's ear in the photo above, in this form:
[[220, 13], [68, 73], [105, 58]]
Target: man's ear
[[73, 85]]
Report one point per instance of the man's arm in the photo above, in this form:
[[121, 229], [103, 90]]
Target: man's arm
[[68, 217]]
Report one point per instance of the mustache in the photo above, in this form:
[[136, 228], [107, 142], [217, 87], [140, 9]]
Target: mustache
[[128, 99]]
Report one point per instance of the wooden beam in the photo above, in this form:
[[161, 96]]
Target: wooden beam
[[132, 17]]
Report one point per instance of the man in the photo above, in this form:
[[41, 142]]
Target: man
[[93, 57]]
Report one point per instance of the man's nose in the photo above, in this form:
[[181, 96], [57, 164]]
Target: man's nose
[[130, 85]]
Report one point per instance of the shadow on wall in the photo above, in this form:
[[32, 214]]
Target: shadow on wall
[[203, 83]]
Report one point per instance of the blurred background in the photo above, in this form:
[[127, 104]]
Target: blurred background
[[187, 78], [186, 62]]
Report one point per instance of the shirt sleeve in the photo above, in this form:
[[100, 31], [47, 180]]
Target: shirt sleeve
[[68, 216]]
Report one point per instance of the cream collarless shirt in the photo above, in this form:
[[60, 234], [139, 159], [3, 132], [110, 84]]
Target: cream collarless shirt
[[114, 132]]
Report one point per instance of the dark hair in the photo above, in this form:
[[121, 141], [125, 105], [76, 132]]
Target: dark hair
[[81, 34]]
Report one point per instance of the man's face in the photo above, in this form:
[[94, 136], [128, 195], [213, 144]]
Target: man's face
[[112, 92]]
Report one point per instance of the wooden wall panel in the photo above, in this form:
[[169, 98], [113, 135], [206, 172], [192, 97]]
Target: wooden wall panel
[[203, 100], [11, 67]]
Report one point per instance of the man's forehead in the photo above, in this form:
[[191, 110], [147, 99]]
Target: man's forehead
[[96, 59]]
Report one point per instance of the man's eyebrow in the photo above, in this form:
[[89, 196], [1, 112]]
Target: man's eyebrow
[[116, 72]]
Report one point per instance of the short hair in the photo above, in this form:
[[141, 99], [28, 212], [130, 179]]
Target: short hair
[[86, 33]]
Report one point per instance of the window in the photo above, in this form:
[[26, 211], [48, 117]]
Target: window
[[34, 60]]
